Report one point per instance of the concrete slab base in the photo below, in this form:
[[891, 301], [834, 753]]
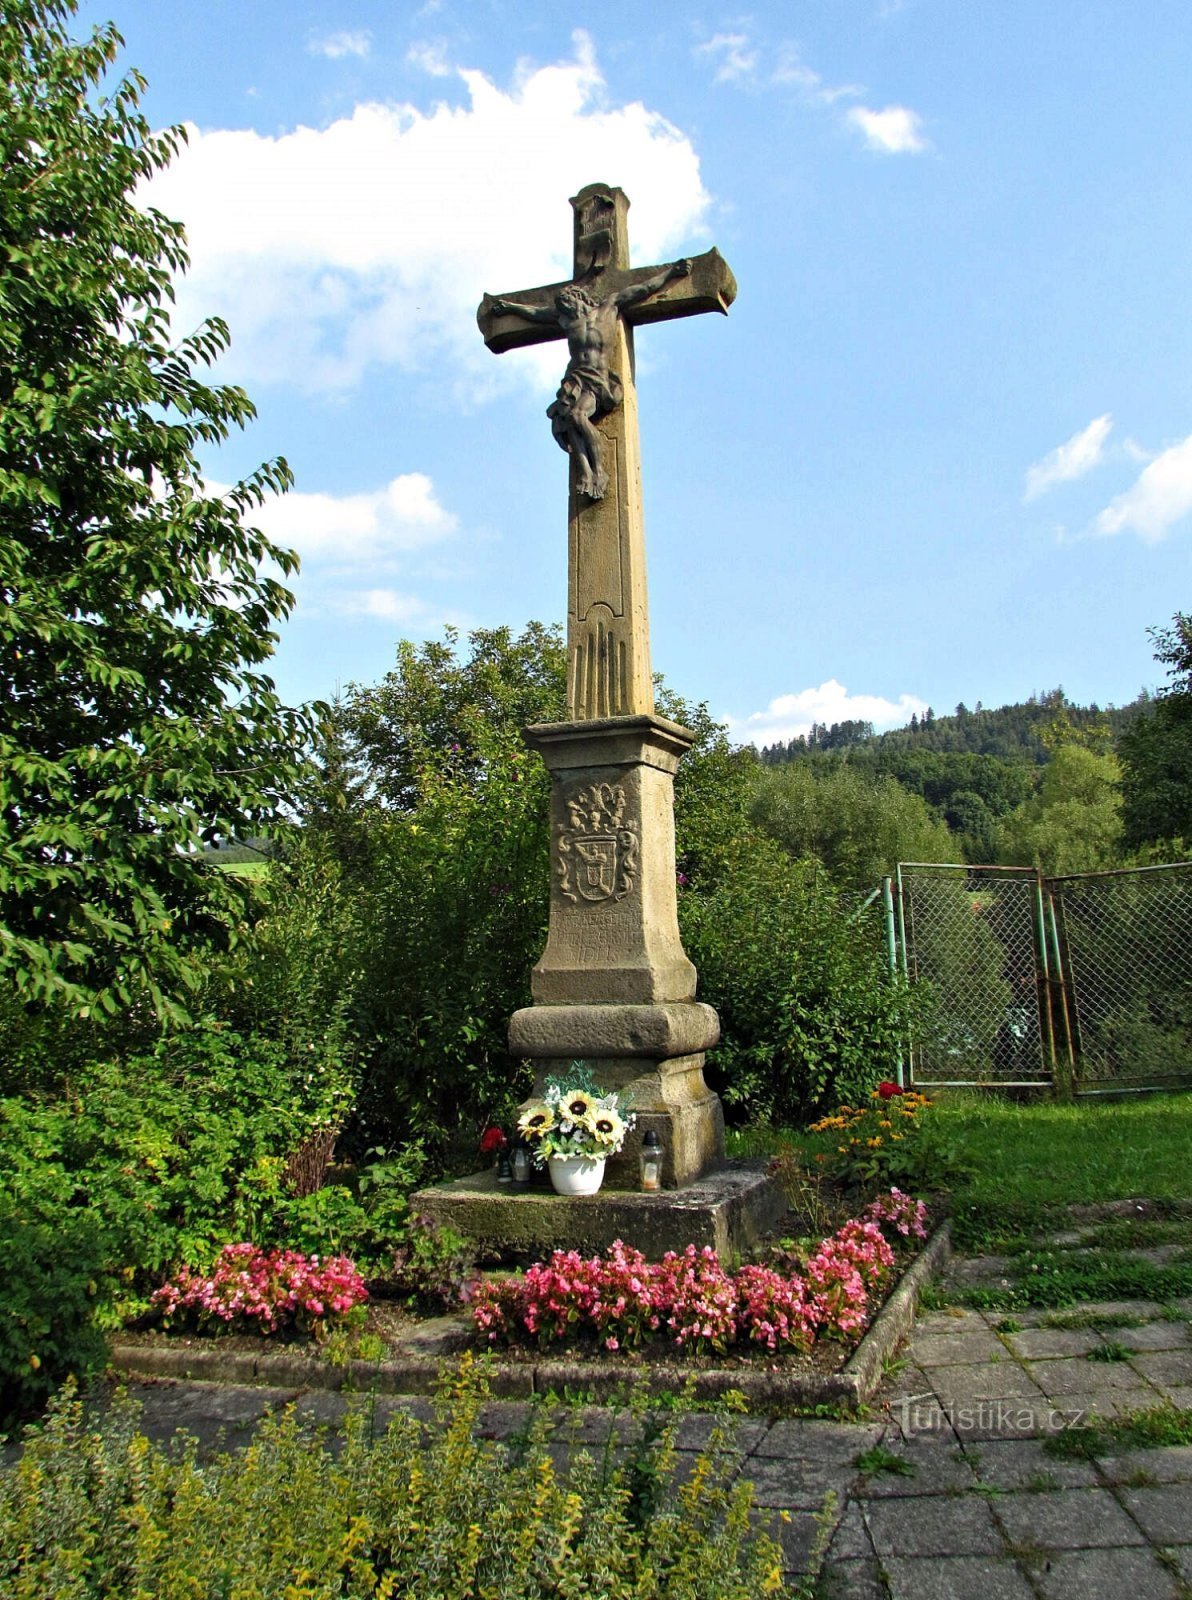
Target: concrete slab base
[[731, 1208]]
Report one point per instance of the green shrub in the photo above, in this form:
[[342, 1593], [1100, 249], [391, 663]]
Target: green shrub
[[810, 1013], [102, 1512], [151, 1161], [892, 1137]]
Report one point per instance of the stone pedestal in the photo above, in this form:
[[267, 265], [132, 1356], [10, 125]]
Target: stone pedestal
[[733, 1209], [614, 987]]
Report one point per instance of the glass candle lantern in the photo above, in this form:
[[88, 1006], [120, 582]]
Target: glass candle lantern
[[520, 1162], [651, 1163]]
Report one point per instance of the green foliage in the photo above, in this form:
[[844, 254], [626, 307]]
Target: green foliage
[[1154, 1428], [1156, 751], [136, 725], [879, 1459], [431, 838], [150, 1161], [810, 1013], [879, 1143], [859, 825], [432, 1267], [1013, 734], [1073, 823], [103, 1512]]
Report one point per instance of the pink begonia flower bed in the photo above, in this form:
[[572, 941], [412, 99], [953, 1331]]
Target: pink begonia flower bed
[[690, 1300], [263, 1289]]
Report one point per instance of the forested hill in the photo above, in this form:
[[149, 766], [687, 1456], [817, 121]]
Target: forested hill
[[980, 773], [1014, 733]]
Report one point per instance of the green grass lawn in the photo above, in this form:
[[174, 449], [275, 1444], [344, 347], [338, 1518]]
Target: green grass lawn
[[1047, 1154], [1021, 1165]]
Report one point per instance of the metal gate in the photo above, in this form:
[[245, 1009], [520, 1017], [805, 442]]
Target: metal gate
[[1082, 982]]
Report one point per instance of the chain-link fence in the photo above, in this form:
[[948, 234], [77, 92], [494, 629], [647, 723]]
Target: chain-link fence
[[968, 932], [1125, 944], [1085, 981]]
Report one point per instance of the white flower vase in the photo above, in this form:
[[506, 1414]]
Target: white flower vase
[[577, 1174]]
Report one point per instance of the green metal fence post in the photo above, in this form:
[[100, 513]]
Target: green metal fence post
[[1043, 983]]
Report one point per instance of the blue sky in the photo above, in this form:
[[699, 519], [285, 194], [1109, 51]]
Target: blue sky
[[940, 450]]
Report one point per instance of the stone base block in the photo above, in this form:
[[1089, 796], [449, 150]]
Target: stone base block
[[732, 1209], [692, 1140], [598, 1031]]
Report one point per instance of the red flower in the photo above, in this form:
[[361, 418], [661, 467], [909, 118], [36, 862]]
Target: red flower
[[492, 1141], [888, 1090]]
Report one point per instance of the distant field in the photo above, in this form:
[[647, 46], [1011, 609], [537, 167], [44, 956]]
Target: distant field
[[244, 869]]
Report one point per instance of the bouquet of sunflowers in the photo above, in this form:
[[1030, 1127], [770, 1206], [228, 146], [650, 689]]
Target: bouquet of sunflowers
[[574, 1118]]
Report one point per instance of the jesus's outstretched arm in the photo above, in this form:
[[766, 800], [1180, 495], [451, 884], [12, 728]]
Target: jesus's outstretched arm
[[511, 308], [638, 292]]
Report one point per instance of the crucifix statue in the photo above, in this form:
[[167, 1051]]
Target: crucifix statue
[[594, 418], [614, 984]]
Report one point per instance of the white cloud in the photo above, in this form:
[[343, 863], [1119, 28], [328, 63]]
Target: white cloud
[[357, 530], [1080, 454], [791, 70], [430, 55], [388, 604], [790, 715], [1160, 497], [737, 56], [895, 131], [370, 241], [356, 42]]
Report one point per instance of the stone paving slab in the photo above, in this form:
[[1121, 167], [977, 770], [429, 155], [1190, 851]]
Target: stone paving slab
[[851, 1541], [951, 1320], [1069, 1519], [934, 1463], [1033, 1343], [1163, 1513], [1154, 1336], [1024, 1464], [1129, 1574], [1168, 1464], [968, 1386], [1072, 1374], [1171, 1368], [941, 1526], [852, 1580], [951, 1577], [797, 1483], [949, 1349]]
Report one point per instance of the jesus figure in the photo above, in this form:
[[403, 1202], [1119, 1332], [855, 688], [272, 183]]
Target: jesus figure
[[590, 389]]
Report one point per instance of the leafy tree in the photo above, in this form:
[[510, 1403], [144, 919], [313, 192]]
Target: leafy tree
[[1156, 750], [857, 824], [135, 724], [1073, 823]]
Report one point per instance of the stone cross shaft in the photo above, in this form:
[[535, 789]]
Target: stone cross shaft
[[594, 418]]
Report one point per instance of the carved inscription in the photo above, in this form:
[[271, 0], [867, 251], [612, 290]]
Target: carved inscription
[[597, 845]]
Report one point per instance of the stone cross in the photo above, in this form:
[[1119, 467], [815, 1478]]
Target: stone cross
[[594, 418]]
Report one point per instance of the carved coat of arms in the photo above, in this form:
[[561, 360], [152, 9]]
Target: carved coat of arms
[[597, 847]]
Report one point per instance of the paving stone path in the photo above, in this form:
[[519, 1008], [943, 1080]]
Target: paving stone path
[[978, 1508]]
